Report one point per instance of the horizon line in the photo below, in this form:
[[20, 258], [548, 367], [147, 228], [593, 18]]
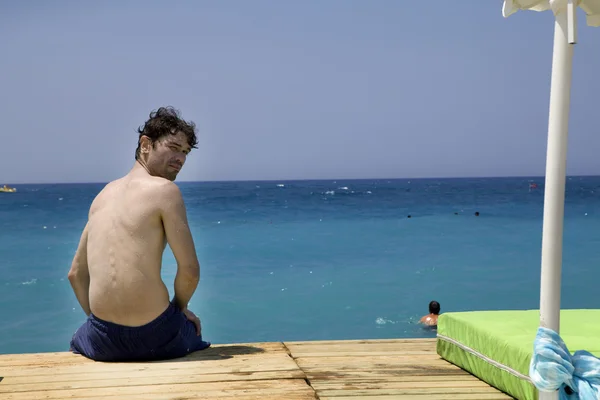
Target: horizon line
[[317, 179]]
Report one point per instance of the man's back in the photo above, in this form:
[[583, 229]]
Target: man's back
[[429, 320], [125, 245], [115, 272]]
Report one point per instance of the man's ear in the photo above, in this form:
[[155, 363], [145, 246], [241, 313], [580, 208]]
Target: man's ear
[[145, 144]]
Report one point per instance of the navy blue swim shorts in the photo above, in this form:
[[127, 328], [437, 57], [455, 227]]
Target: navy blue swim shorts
[[170, 335]]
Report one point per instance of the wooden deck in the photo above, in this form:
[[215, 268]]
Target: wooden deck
[[326, 370]]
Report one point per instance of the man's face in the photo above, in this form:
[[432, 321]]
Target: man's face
[[168, 156]]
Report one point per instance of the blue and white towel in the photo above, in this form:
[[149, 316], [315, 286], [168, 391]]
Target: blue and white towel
[[553, 368]]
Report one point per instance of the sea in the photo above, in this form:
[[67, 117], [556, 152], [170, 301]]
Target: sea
[[314, 260]]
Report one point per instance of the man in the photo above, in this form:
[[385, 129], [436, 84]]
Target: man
[[432, 318], [116, 271]]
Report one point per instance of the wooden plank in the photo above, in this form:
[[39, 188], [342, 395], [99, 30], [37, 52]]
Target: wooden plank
[[218, 352], [374, 357], [375, 343], [357, 349], [79, 381], [422, 346], [273, 363], [384, 384], [208, 373], [341, 353], [281, 387], [430, 396], [406, 369], [155, 364], [371, 362], [362, 341], [309, 395], [385, 375], [232, 348], [425, 392]]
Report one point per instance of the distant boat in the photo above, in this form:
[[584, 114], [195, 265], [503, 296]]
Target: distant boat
[[7, 189]]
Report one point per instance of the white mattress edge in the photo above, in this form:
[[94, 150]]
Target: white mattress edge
[[485, 358]]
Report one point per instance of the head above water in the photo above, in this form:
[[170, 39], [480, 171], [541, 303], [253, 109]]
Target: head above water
[[164, 142], [434, 307]]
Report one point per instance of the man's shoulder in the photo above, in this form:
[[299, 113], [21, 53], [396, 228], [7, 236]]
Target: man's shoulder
[[428, 319], [162, 192], [100, 198], [163, 187]]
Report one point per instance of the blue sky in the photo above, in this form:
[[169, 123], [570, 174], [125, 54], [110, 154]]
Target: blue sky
[[288, 89]]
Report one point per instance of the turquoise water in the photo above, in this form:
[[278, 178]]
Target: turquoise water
[[311, 260]]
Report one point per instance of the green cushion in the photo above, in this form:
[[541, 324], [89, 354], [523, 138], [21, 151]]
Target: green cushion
[[497, 346]]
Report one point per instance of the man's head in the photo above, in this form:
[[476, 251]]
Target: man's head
[[434, 307], [164, 143]]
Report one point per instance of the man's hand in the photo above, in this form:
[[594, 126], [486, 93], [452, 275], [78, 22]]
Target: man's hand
[[192, 317]]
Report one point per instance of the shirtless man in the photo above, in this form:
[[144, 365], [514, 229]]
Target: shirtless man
[[431, 318], [116, 271]]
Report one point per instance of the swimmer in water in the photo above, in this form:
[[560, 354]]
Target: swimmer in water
[[431, 318]]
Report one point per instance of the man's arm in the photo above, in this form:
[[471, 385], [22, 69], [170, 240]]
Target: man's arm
[[179, 237], [79, 275]]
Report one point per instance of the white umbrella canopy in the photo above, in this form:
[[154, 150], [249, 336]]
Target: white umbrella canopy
[[565, 36], [590, 7]]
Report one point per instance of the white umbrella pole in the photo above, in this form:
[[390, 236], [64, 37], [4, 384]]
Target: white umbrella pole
[[556, 160]]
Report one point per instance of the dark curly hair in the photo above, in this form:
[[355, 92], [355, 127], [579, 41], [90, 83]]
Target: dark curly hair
[[166, 121]]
